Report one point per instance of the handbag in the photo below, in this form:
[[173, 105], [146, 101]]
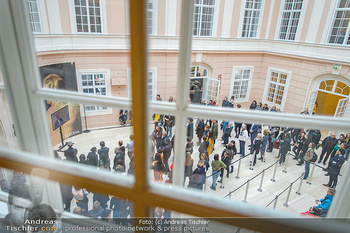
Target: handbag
[[276, 144]]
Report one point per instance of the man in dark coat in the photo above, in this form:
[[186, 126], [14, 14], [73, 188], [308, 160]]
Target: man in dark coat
[[200, 130], [327, 147], [336, 163], [71, 153], [190, 128], [167, 153], [227, 133], [103, 153]]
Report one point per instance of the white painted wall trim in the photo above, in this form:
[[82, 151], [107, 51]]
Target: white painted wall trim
[[267, 33], [54, 17], [314, 26], [227, 19], [216, 18], [170, 23], [47, 43]]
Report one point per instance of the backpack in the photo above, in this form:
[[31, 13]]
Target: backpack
[[314, 158]]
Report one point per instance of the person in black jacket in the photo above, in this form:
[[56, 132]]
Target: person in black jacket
[[189, 145], [226, 160], [92, 157], [336, 163], [327, 147], [200, 130], [227, 133], [190, 128], [203, 147], [103, 153], [285, 147], [304, 149], [167, 153]]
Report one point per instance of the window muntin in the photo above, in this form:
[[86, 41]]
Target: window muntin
[[34, 15], [290, 19], [252, 10], [203, 17], [150, 17], [340, 28], [88, 16], [277, 85], [240, 83], [335, 86], [94, 83]]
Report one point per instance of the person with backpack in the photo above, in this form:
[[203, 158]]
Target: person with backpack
[[92, 158], [308, 156], [103, 153]]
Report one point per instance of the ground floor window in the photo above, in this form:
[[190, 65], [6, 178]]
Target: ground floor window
[[94, 83], [276, 87]]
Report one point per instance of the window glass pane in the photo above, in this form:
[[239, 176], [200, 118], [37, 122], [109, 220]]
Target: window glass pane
[[290, 19]]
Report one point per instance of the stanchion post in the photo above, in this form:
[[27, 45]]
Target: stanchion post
[[261, 181], [229, 196], [205, 184], [222, 179], [312, 172], [239, 168], [290, 189], [285, 167], [246, 192], [301, 182], [275, 203], [274, 173]]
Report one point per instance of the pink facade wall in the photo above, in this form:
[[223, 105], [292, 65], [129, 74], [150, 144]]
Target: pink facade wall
[[166, 63]]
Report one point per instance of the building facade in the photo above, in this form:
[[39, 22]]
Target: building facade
[[289, 54]]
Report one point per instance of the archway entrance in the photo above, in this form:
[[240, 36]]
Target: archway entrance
[[202, 87], [331, 98]]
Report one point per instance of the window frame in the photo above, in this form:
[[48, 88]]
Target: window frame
[[286, 87], [40, 25], [347, 34], [21, 74], [300, 21], [106, 72], [88, 18], [259, 21], [155, 17], [198, 34], [234, 69], [152, 69]]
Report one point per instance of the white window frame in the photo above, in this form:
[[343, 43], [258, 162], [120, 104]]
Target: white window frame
[[234, 69], [102, 18], [38, 13], [347, 34], [198, 34], [244, 9], [300, 21], [286, 87], [154, 82], [23, 89], [106, 72], [154, 17]]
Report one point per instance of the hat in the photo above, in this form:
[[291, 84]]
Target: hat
[[70, 143]]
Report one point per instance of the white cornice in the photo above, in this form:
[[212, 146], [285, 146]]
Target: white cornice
[[52, 42]]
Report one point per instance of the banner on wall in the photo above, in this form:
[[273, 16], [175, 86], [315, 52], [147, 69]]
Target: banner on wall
[[61, 76]]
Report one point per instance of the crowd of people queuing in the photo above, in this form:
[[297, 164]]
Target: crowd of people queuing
[[263, 139]]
